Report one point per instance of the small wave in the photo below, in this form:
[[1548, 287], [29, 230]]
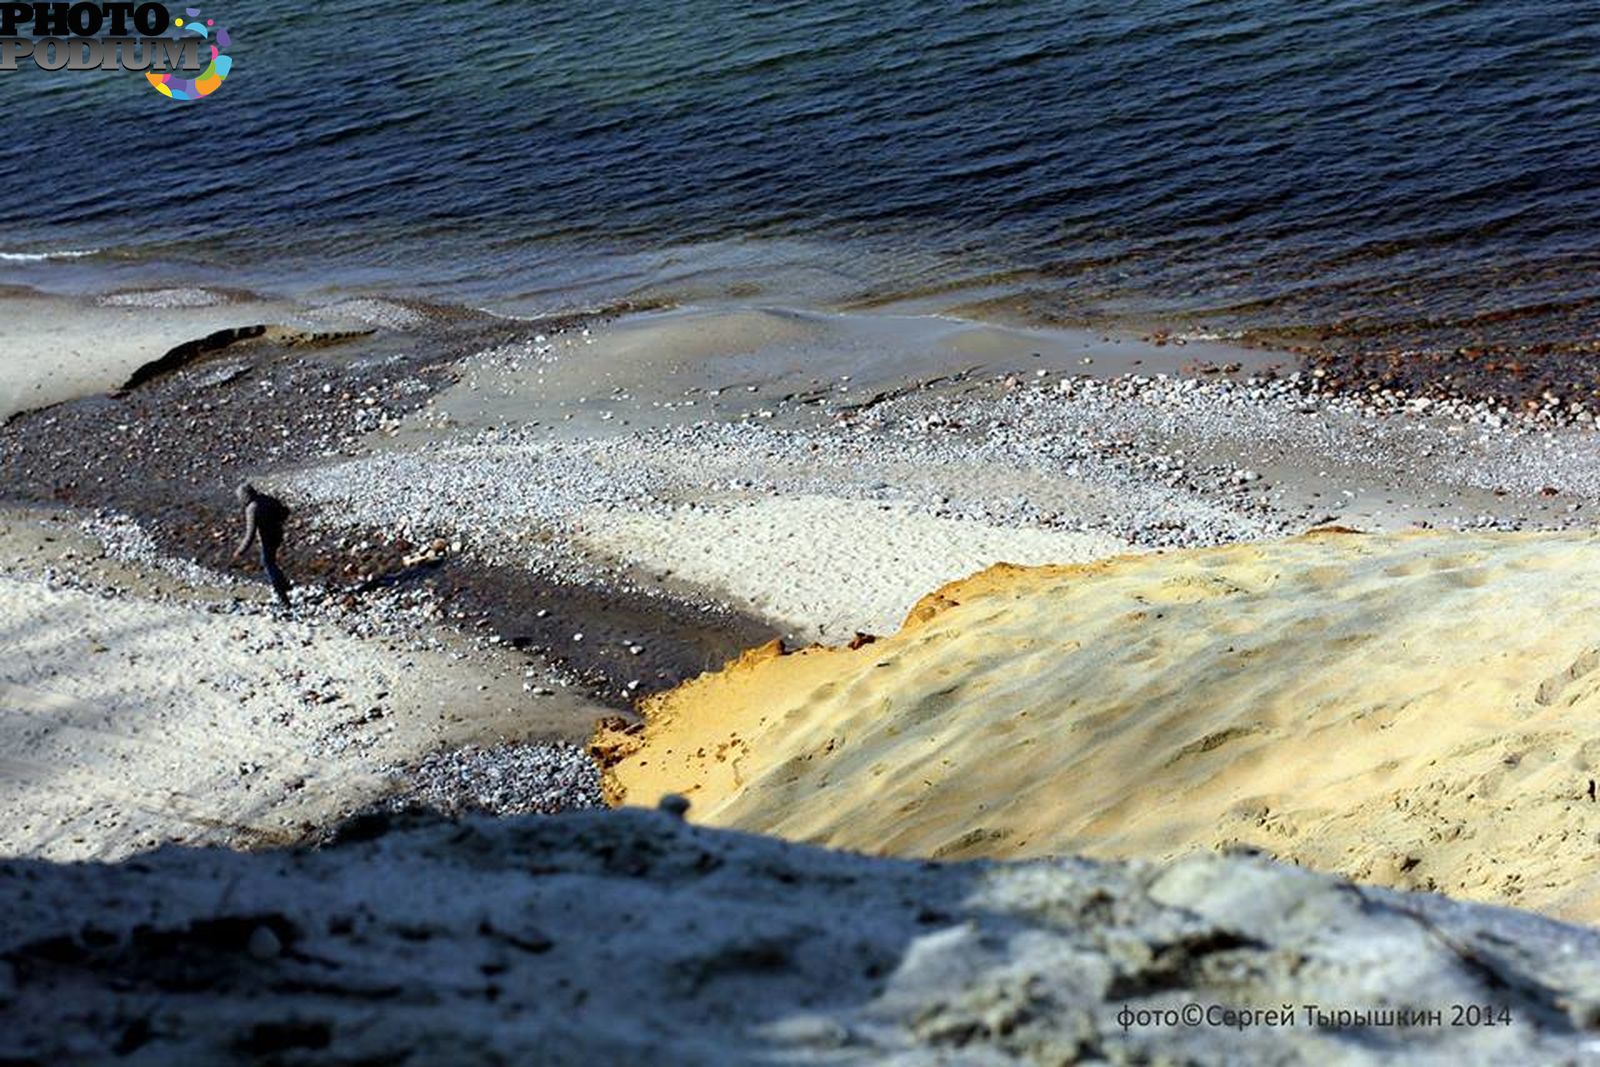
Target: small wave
[[40, 257], [1208, 335]]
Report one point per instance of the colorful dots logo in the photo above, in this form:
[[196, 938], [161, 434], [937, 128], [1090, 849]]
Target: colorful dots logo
[[210, 79]]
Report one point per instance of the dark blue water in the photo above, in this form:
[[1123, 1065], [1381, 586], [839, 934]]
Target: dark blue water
[[1420, 173]]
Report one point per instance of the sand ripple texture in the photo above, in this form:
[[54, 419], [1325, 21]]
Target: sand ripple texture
[[1414, 710]]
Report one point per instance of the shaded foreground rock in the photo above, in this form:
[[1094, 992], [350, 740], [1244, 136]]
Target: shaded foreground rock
[[615, 937]]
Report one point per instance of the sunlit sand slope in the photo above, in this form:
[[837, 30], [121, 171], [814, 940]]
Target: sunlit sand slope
[[1420, 710]]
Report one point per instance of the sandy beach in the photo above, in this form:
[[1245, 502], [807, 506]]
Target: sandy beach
[[594, 510], [153, 704]]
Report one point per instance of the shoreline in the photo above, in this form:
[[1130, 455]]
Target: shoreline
[[114, 326], [68, 346]]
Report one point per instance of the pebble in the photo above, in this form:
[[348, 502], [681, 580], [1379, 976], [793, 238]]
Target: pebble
[[511, 779], [264, 944]]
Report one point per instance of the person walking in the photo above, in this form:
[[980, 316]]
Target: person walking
[[264, 518]]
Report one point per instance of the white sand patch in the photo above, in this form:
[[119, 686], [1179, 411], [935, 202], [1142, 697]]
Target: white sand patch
[[55, 348], [127, 722], [826, 566]]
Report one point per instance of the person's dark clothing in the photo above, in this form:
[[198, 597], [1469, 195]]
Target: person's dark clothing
[[264, 518]]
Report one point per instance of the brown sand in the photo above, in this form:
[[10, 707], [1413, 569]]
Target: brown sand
[[1416, 710]]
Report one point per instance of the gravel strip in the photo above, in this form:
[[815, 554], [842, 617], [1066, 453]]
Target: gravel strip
[[515, 779], [1160, 462]]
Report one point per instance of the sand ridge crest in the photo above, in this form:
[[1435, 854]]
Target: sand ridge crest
[[1004, 577]]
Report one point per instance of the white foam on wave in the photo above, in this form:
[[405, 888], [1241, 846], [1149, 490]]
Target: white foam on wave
[[40, 257]]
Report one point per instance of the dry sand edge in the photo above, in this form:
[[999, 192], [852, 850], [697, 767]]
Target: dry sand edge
[[1417, 710]]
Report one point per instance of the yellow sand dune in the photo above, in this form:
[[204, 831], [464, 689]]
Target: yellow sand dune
[[1419, 710]]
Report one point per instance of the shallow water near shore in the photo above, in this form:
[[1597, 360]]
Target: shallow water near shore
[[1355, 174]]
